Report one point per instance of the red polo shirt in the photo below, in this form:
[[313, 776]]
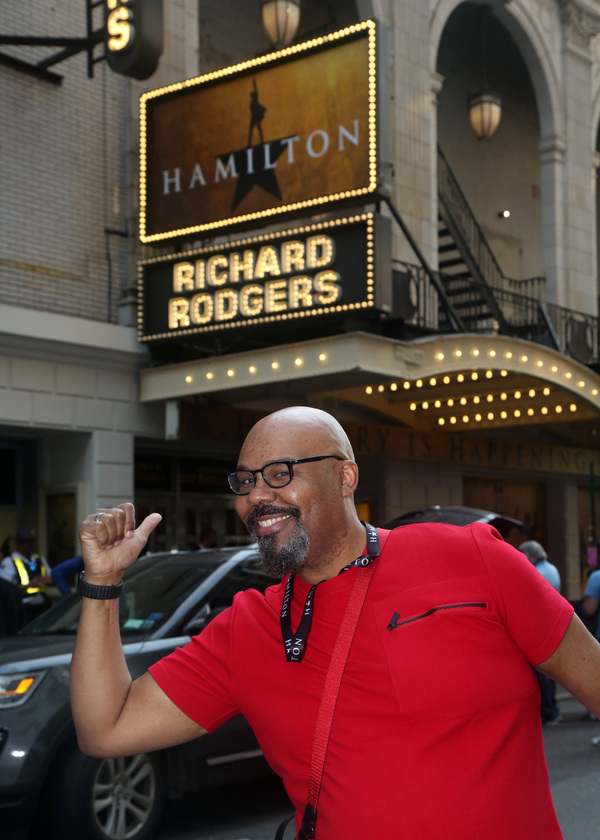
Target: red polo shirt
[[437, 730]]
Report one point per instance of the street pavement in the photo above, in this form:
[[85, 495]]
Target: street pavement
[[574, 769]]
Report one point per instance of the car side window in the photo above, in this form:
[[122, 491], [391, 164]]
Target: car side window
[[247, 575]]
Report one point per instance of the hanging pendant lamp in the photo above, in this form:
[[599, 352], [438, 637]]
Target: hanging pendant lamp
[[485, 107], [280, 20]]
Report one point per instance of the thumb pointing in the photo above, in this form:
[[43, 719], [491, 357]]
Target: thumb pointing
[[146, 527]]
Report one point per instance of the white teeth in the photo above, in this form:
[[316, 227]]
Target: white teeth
[[266, 523]]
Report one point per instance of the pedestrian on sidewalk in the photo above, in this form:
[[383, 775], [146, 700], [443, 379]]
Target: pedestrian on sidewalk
[[536, 555]]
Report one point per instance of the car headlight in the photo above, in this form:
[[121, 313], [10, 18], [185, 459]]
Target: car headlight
[[16, 689]]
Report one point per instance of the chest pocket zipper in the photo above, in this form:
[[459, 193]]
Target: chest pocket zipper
[[394, 623]]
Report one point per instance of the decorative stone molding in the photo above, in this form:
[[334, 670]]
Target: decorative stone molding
[[581, 21], [553, 149]]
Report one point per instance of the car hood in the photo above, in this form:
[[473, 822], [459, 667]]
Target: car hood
[[37, 651], [43, 651]]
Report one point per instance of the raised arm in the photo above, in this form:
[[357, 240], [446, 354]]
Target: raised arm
[[113, 714], [575, 665]]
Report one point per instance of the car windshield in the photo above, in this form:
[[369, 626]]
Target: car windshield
[[154, 587]]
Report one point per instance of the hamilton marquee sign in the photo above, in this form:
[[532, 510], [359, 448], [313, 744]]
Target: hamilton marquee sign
[[285, 133], [321, 269]]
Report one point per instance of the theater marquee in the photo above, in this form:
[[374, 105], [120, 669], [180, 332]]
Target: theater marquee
[[284, 133], [318, 270]]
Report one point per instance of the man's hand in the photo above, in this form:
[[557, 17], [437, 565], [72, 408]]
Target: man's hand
[[110, 542]]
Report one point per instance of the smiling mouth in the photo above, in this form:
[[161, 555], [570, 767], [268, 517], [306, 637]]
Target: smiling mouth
[[266, 523], [265, 517]]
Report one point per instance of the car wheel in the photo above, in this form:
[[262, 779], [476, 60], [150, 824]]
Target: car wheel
[[108, 798]]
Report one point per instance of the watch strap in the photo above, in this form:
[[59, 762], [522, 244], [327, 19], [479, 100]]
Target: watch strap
[[98, 593]]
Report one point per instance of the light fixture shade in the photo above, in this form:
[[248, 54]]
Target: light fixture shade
[[280, 20], [485, 110]]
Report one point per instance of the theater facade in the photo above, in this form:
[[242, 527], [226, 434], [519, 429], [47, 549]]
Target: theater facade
[[347, 220]]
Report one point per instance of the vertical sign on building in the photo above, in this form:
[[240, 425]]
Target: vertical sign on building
[[134, 36]]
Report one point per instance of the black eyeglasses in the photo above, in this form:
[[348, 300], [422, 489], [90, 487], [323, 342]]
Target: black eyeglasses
[[275, 474]]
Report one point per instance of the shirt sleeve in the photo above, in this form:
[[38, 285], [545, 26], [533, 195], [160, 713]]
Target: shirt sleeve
[[534, 613], [197, 677], [66, 569], [8, 570], [592, 589]]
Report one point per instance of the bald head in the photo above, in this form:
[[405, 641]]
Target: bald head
[[305, 427], [308, 524]]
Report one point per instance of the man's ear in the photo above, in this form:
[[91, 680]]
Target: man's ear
[[349, 473]]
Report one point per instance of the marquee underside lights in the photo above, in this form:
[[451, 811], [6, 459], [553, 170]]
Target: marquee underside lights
[[268, 156], [425, 385]]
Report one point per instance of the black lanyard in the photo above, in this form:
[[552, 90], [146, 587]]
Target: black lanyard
[[294, 644]]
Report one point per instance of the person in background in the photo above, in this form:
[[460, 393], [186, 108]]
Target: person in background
[[28, 570], [12, 611], [208, 539], [63, 571], [591, 599], [591, 603], [536, 555]]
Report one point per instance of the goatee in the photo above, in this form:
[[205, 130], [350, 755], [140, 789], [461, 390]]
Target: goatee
[[279, 561]]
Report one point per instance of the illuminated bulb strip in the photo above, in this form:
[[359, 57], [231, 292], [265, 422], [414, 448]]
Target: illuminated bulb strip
[[269, 57], [243, 67], [534, 363], [240, 244]]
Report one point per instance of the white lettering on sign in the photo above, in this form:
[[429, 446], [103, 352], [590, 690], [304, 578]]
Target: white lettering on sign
[[269, 261], [293, 293], [316, 145]]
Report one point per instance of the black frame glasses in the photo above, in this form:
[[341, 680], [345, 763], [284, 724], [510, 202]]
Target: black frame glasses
[[249, 476]]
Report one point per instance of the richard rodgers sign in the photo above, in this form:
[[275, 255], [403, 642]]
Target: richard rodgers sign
[[321, 269]]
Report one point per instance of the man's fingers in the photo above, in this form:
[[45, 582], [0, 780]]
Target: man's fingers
[[110, 526], [105, 525], [148, 525]]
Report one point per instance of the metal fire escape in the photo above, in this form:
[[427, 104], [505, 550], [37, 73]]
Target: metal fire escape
[[471, 289]]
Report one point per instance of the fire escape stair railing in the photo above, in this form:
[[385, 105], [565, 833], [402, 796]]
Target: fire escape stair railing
[[468, 269]]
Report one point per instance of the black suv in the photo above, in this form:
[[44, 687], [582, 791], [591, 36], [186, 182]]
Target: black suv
[[45, 778]]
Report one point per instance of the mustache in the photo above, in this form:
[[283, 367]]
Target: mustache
[[269, 510]]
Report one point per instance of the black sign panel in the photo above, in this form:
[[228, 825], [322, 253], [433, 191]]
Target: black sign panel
[[134, 36], [292, 275]]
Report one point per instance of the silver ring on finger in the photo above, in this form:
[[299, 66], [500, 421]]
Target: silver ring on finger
[[97, 516]]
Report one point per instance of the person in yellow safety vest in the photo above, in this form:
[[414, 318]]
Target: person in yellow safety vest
[[29, 571]]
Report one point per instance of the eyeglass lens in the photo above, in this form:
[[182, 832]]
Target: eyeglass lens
[[276, 475]]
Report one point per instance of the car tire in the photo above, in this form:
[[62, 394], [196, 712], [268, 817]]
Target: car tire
[[108, 798]]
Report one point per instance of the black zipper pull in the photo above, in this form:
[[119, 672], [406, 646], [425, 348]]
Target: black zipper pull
[[393, 622]]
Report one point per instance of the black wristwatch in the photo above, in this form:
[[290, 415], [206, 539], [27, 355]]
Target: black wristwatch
[[98, 593]]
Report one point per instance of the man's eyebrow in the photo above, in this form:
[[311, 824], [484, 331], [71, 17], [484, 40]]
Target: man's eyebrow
[[272, 461]]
